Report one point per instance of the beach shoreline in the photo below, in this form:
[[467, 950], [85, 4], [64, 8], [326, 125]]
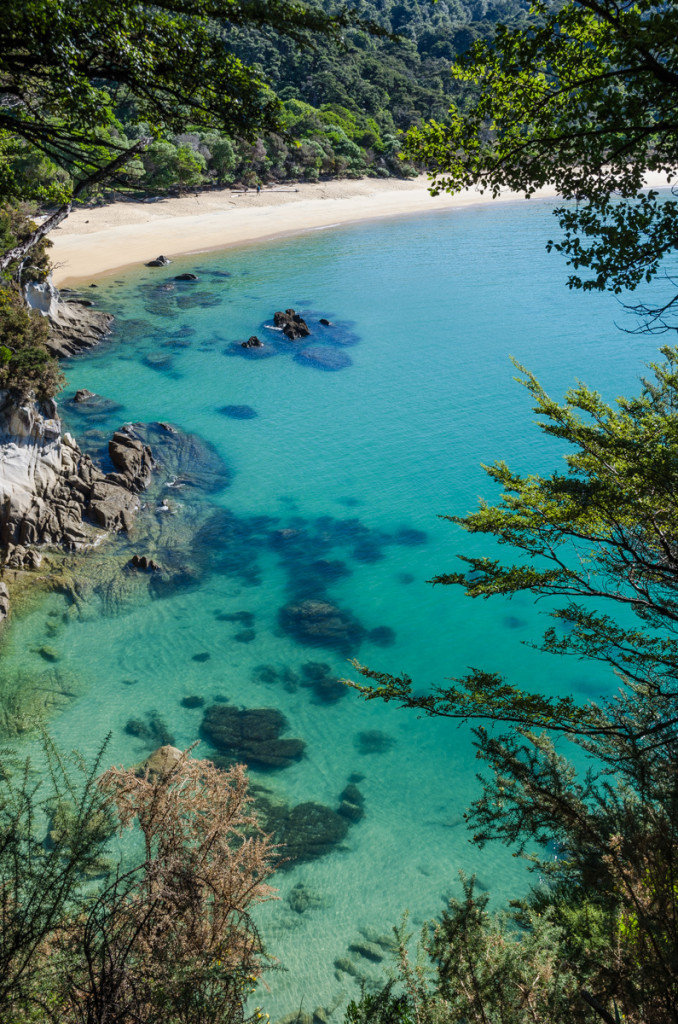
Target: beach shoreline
[[102, 240]]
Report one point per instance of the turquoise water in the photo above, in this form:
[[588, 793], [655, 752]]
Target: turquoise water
[[358, 463]]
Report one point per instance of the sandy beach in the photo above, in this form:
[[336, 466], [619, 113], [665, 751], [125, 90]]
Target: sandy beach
[[97, 241]]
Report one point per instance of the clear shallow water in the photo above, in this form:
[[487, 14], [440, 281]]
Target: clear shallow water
[[350, 459]]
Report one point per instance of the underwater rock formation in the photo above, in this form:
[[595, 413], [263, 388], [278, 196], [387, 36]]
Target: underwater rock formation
[[252, 735], [303, 832], [318, 623]]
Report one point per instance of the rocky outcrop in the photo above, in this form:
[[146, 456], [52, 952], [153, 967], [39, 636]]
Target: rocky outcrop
[[291, 324], [74, 324], [49, 489]]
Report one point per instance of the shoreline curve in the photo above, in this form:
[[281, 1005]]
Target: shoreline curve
[[102, 240]]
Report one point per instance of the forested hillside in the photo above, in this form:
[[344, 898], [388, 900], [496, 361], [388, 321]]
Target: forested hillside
[[344, 103]]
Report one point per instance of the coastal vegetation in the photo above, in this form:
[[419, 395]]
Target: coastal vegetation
[[166, 937], [579, 96], [230, 93], [584, 102]]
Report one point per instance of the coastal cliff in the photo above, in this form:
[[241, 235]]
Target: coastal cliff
[[51, 493], [74, 323]]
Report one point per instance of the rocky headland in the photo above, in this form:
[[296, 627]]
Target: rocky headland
[[52, 494]]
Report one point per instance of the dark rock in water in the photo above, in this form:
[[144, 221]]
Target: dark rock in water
[[238, 412], [325, 322], [311, 579], [93, 407], [252, 342], [193, 702], [135, 727], [159, 261], [132, 459], [323, 358], [301, 899], [197, 299], [247, 618], [373, 741], [305, 832], [153, 730], [513, 622], [291, 324], [264, 674], [220, 698], [356, 777], [321, 624], [368, 553], [49, 653], [382, 636], [203, 656], [185, 459], [144, 563], [158, 361], [405, 578], [326, 687], [186, 277], [353, 795], [353, 812], [410, 537], [245, 636], [252, 736], [250, 351], [368, 950]]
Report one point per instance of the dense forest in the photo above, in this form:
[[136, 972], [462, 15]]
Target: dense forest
[[345, 106]]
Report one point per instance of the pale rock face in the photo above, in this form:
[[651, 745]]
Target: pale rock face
[[74, 326], [43, 297], [49, 488]]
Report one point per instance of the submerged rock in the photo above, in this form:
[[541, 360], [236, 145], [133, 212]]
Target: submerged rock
[[251, 735], [320, 623], [238, 412], [304, 832], [373, 741], [153, 730], [322, 357], [319, 677], [193, 701]]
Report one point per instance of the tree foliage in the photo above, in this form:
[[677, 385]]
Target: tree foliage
[[600, 541], [167, 938], [582, 100]]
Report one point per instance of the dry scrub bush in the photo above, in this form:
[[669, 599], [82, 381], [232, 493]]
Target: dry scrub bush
[[172, 940]]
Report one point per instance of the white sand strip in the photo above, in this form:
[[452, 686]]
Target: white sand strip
[[97, 241]]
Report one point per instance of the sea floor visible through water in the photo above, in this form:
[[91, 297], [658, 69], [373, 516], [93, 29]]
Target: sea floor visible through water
[[319, 472]]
